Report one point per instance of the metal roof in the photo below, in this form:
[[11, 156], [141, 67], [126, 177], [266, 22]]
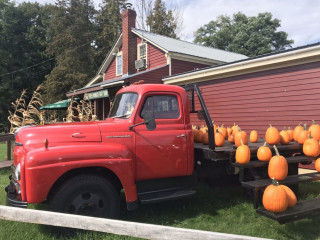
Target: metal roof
[[178, 46]]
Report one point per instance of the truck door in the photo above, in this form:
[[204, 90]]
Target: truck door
[[161, 152]]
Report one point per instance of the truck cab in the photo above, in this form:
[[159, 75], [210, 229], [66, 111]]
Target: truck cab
[[144, 147]]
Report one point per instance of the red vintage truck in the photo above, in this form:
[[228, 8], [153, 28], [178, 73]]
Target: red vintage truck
[[145, 148]]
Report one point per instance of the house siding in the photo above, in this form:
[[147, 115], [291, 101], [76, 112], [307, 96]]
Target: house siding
[[179, 66], [154, 76], [155, 56], [282, 97]]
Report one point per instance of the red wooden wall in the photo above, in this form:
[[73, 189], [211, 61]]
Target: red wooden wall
[[282, 97], [154, 76], [179, 66]]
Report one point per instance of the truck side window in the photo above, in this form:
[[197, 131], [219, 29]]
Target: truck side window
[[162, 106]]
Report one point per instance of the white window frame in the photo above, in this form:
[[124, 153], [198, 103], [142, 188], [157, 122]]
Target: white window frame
[[139, 45], [118, 55]]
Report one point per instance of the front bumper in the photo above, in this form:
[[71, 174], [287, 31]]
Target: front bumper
[[13, 198]]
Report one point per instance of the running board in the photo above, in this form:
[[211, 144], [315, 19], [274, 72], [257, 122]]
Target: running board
[[303, 209], [164, 195]]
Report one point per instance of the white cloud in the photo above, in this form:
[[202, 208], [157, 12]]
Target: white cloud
[[299, 18]]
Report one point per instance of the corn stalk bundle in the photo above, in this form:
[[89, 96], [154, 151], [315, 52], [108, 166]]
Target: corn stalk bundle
[[24, 114]]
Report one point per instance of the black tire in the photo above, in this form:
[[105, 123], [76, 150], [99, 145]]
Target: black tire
[[88, 195]]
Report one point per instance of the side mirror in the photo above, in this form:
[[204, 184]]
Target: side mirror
[[149, 120]]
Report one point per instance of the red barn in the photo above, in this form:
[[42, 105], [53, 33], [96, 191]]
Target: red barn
[[141, 55], [281, 89]]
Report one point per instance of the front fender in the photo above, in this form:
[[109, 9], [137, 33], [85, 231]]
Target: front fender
[[43, 167]]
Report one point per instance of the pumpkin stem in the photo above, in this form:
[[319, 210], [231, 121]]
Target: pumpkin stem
[[305, 126], [300, 123], [270, 125], [289, 128], [275, 182], [239, 128], [309, 136], [284, 129], [265, 144], [217, 130], [222, 126], [241, 142], [276, 150], [313, 122]]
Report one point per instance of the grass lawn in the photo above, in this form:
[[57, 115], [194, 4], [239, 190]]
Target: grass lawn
[[223, 209], [3, 151]]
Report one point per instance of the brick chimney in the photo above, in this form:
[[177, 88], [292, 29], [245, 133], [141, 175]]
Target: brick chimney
[[129, 40]]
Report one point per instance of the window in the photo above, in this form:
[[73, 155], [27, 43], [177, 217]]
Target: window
[[119, 64], [123, 105], [162, 106], [142, 51]]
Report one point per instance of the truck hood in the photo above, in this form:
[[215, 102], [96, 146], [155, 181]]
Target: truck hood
[[59, 133]]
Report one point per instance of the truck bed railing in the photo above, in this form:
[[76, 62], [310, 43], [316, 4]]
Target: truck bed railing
[[194, 88]]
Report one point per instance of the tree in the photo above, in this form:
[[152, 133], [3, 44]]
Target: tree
[[250, 36], [72, 46], [108, 26], [23, 30], [162, 21]]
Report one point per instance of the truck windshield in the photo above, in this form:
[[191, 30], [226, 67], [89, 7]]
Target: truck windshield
[[123, 105]]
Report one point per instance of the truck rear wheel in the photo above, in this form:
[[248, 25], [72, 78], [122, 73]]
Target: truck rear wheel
[[88, 195]]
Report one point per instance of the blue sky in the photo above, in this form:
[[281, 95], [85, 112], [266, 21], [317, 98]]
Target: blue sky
[[299, 18]]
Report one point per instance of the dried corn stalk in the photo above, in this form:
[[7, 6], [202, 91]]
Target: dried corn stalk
[[72, 109], [16, 118], [25, 114], [32, 114], [85, 111]]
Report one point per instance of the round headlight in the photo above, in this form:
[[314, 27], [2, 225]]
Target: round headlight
[[17, 172]]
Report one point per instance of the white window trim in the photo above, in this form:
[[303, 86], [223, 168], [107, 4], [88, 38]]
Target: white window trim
[[119, 54], [140, 44]]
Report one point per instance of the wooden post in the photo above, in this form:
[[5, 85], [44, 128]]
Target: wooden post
[[8, 149], [134, 229]]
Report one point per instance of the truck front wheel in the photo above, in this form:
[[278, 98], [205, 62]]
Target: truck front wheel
[[88, 195]]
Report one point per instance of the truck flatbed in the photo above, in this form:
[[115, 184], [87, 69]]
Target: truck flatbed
[[227, 152]]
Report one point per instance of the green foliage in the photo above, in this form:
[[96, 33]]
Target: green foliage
[[160, 21], [72, 45], [250, 36], [108, 26], [23, 39]]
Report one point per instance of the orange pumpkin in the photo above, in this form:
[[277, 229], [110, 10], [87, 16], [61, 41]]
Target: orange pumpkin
[[223, 131], [240, 135], [234, 128], [297, 131], [229, 130], [205, 138], [278, 166], [264, 153], [290, 131], [253, 136], [303, 135], [317, 164], [272, 135], [314, 130], [311, 147], [243, 153], [292, 199], [218, 138], [275, 198], [203, 129], [197, 135], [284, 137], [231, 138]]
